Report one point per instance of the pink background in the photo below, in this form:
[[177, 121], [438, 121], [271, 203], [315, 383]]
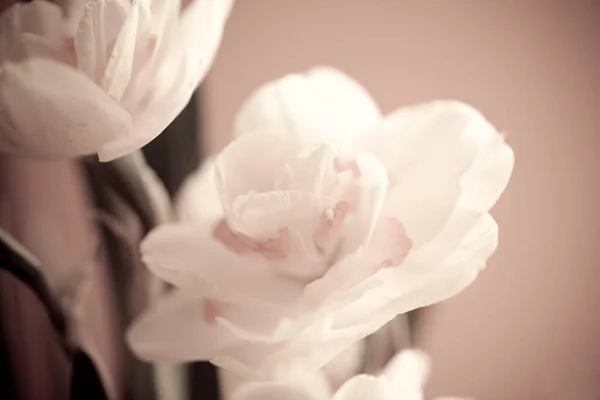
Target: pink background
[[529, 328]]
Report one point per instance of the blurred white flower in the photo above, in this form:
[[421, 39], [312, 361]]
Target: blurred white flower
[[103, 76], [333, 375], [321, 222], [403, 379]]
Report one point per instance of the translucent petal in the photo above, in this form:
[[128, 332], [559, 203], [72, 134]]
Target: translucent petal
[[178, 73], [188, 256], [176, 330], [50, 110], [270, 391], [322, 105]]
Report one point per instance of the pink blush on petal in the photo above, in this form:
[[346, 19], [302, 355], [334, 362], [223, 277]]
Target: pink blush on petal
[[235, 242], [396, 243], [278, 248], [342, 164], [213, 309]]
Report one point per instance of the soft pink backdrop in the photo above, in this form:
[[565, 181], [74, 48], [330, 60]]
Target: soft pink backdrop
[[529, 328]]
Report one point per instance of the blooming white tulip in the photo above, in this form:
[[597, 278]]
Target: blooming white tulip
[[321, 222], [100, 76], [403, 379]]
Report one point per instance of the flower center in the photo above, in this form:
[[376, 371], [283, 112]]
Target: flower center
[[318, 213], [329, 214], [328, 231]]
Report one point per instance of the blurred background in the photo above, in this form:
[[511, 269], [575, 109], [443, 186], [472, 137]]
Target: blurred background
[[529, 327]]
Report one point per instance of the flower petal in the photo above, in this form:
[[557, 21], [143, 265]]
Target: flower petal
[[176, 330], [314, 383], [198, 199], [372, 189], [97, 30], [265, 360], [51, 110], [346, 364], [347, 280], [284, 167], [178, 74], [262, 215], [282, 224], [427, 149], [270, 391], [414, 135], [486, 179], [408, 370], [366, 387], [324, 105], [189, 257], [37, 19], [164, 22], [350, 277], [452, 398], [237, 173], [313, 173], [132, 37], [416, 284]]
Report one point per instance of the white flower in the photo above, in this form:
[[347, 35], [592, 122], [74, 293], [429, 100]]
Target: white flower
[[402, 379], [321, 222], [103, 76], [332, 376]]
